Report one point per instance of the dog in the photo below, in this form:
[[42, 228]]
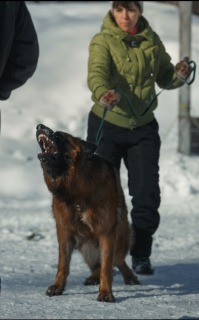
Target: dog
[[89, 210]]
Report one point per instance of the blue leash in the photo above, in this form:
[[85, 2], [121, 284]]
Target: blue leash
[[99, 133], [148, 109]]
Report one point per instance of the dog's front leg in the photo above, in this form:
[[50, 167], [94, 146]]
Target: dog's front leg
[[106, 274], [65, 250]]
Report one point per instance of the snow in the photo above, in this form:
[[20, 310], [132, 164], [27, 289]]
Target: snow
[[57, 96]]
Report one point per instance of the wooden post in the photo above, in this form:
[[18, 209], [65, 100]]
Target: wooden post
[[184, 146]]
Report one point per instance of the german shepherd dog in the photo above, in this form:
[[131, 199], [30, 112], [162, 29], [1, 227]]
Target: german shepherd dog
[[89, 209]]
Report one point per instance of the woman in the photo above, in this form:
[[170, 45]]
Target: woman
[[126, 59]]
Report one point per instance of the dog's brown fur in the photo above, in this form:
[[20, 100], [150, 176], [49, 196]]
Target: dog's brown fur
[[89, 209]]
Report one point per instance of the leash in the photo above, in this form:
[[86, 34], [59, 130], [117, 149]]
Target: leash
[[191, 74], [99, 133]]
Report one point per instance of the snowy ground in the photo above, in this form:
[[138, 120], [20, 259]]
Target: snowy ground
[[58, 97]]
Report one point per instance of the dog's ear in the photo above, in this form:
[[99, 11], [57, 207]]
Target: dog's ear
[[88, 149]]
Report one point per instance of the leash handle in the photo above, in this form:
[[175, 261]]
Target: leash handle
[[193, 70]]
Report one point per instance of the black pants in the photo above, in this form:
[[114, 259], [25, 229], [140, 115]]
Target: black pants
[[139, 148]]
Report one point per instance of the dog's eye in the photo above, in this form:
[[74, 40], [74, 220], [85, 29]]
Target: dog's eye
[[58, 136], [61, 136]]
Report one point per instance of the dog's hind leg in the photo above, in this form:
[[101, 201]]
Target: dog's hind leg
[[119, 262], [128, 275], [91, 254], [94, 278]]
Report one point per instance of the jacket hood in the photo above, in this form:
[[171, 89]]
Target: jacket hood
[[109, 26]]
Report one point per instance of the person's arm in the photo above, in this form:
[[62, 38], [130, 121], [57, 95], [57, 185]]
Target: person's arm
[[99, 64], [19, 49], [166, 71]]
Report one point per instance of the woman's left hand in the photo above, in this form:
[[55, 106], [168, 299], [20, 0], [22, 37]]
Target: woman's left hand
[[182, 69]]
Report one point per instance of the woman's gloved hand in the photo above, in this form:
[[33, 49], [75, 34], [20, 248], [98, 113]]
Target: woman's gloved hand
[[109, 99], [182, 69]]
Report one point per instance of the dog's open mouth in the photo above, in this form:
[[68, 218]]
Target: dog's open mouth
[[46, 144]]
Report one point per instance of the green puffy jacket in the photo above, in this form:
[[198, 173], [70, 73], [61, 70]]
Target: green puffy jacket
[[131, 65]]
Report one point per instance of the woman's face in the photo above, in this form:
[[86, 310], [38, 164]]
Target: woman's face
[[127, 19]]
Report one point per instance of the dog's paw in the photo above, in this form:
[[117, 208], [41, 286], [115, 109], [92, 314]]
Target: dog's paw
[[90, 281], [54, 291], [132, 281], [106, 297]]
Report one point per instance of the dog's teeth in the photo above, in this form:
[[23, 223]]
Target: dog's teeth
[[47, 144], [40, 137]]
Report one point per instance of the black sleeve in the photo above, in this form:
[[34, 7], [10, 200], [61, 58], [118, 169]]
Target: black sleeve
[[19, 49]]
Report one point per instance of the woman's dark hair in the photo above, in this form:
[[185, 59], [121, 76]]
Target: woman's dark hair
[[125, 4]]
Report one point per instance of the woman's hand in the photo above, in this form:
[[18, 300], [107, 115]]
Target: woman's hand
[[182, 69], [109, 99]]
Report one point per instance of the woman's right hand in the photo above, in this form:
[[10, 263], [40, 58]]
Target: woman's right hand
[[109, 99]]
